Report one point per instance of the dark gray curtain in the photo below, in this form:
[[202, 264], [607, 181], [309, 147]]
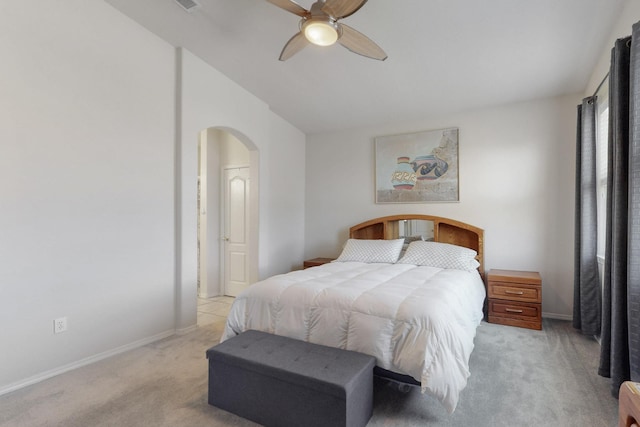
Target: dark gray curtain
[[614, 350], [586, 281], [620, 345]]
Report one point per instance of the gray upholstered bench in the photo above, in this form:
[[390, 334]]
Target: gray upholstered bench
[[279, 381]]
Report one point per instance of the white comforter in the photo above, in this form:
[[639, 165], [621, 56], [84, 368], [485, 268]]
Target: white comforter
[[417, 321]]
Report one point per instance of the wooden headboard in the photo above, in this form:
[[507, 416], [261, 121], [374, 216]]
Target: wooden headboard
[[445, 230]]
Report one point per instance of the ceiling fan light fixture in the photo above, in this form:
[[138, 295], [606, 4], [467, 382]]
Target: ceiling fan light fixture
[[319, 25], [320, 32]]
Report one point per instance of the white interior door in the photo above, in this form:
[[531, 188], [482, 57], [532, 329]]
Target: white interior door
[[236, 230]]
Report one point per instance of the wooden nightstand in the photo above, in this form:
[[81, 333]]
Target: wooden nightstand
[[515, 298], [316, 262]]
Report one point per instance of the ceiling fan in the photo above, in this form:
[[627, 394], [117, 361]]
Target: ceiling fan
[[319, 25]]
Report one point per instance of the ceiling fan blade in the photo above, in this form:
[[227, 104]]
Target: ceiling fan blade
[[290, 6], [358, 43], [342, 8], [293, 46]]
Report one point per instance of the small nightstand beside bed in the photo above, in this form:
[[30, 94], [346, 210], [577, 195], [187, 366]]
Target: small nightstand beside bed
[[417, 313]]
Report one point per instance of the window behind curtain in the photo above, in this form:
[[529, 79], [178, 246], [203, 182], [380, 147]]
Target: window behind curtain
[[602, 136]]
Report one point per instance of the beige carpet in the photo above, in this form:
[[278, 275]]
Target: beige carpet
[[519, 378]]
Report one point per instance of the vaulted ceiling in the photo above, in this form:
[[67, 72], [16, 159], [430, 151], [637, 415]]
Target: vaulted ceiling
[[444, 55]]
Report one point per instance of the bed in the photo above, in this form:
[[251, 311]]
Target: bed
[[406, 289]]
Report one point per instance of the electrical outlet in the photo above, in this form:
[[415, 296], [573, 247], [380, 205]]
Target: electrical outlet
[[59, 325]]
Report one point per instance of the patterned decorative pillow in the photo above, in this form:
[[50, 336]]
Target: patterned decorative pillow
[[441, 255], [362, 250]]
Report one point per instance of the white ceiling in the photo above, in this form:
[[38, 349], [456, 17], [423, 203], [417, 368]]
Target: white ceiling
[[444, 55]]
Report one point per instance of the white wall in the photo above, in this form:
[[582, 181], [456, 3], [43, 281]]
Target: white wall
[[516, 182], [282, 200], [210, 99], [517, 165], [232, 151], [98, 165], [86, 183], [630, 15]]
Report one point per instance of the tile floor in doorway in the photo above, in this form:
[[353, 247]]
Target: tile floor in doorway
[[213, 309]]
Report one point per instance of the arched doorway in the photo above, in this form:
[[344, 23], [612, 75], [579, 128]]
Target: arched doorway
[[227, 212]]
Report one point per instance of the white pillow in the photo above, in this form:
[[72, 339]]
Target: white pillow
[[362, 250], [441, 255]]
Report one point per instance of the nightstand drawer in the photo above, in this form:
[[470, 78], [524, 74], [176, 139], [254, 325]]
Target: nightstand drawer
[[515, 314], [514, 292], [513, 309]]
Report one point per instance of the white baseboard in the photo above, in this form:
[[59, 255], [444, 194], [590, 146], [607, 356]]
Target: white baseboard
[[557, 316], [83, 362], [188, 329], [208, 295]]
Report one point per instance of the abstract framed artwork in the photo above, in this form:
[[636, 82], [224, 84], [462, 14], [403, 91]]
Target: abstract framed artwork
[[417, 167]]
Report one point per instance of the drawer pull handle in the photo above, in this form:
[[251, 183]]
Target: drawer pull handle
[[512, 310], [514, 292]]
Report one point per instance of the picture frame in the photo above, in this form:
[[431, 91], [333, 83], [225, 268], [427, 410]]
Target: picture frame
[[419, 167]]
